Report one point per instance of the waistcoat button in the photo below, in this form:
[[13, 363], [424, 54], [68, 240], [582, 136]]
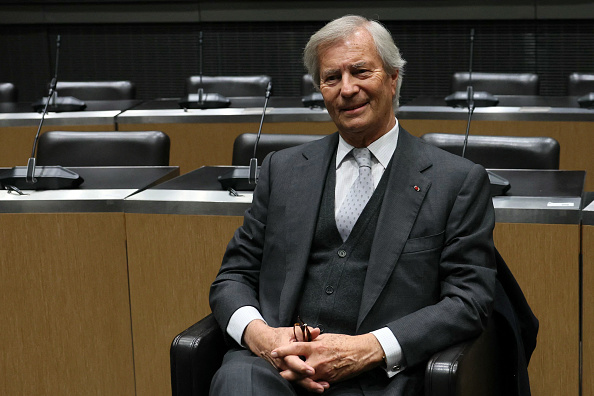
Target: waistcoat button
[[342, 253]]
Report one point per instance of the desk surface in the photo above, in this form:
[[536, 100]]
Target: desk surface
[[536, 196], [103, 190], [510, 108], [91, 105]]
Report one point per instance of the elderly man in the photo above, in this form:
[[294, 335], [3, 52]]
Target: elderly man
[[381, 243]]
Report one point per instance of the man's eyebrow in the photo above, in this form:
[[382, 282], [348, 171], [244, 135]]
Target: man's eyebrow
[[334, 71], [358, 65], [329, 71]]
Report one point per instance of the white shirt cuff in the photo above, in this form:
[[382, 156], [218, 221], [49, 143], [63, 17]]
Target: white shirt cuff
[[239, 321], [392, 350]]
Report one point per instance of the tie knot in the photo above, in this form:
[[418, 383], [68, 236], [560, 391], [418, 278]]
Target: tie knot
[[362, 156]]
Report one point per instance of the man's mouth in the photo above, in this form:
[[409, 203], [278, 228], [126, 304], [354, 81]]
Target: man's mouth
[[353, 107]]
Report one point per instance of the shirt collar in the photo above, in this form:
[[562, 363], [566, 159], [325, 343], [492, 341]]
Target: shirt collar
[[382, 149]]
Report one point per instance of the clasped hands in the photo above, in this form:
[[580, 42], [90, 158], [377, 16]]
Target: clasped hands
[[314, 365]]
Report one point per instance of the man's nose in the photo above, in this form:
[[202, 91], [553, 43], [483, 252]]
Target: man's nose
[[349, 86]]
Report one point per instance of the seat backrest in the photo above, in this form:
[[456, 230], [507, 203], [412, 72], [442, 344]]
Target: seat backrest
[[8, 93], [498, 83], [141, 148], [307, 85], [501, 152], [243, 147], [97, 90], [230, 86], [580, 84]]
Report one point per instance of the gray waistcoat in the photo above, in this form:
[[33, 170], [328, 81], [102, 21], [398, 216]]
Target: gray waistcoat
[[336, 270]]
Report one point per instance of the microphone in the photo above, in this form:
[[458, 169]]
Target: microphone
[[45, 177], [499, 185], [471, 98], [202, 100], [586, 101], [242, 178], [66, 103]]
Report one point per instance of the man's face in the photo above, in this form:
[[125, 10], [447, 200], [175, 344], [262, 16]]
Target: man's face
[[357, 91]]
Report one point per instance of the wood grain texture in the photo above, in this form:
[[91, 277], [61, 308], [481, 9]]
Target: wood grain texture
[[65, 327], [544, 258], [196, 145], [172, 259], [588, 310], [575, 138]]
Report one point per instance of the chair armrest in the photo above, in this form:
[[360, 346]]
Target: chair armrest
[[195, 355], [468, 368]]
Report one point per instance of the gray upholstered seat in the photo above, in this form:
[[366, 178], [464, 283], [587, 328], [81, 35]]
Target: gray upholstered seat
[[229, 86], [501, 152], [243, 146], [138, 148], [97, 90], [498, 83]]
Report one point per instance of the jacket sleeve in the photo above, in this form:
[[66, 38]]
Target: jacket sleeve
[[236, 284]]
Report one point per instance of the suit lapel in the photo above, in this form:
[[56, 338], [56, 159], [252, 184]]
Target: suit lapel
[[307, 177], [398, 213]]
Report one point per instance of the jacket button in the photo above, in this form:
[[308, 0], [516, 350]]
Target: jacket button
[[329, 290], [342, 253]]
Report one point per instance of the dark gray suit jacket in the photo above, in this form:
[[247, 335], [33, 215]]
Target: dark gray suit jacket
[[431, 272]]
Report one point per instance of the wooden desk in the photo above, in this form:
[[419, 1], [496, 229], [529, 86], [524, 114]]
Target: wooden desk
[[588, 300], [64, 287], [65, 309]]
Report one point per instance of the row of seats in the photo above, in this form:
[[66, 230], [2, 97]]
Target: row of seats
[[578, 84], [151, 148]]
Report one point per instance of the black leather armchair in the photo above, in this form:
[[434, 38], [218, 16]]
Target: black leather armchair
[[230, 86], [97, 90], [469, 368], [579, 84], [501, 152], [243, 146], [138, 148], [8, 93], [498, 83]]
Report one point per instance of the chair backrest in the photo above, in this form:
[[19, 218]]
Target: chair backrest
[[141, 148], [8, 93], [579, 84], [498, 83], [501, 152], [243, 147], [97, 90], [230, 86], [307, 85]]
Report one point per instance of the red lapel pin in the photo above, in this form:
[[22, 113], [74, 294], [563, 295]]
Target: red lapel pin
[[417, 189]]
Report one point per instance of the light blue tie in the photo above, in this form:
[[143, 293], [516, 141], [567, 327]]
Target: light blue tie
[[358, 195]]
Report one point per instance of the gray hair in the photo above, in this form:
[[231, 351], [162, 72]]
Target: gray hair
[[342, 28]]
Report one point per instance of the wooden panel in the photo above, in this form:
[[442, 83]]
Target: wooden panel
[[544, 259], [173, 259], [575, 138], [196, 145], [17, 142], [588, 310], [65, 327]]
